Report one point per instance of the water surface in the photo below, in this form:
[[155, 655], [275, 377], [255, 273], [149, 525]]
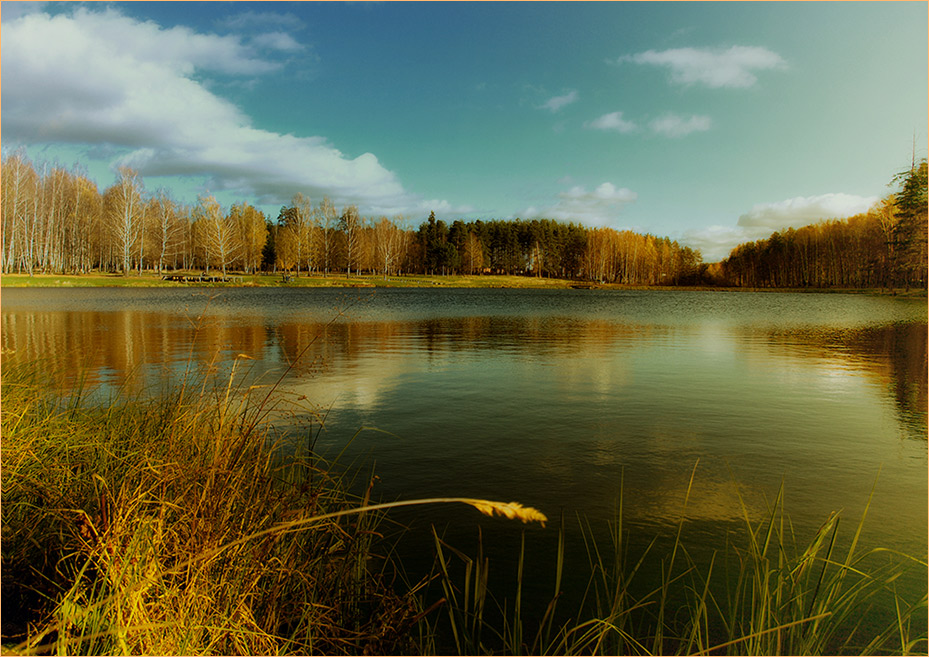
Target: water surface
[[559, 399]]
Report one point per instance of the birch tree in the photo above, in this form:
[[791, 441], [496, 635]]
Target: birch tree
[[19, 188], [350, 224], [253, 234], [388, 243], [122, 205], [326, 218], [167, 229], [215, 234]]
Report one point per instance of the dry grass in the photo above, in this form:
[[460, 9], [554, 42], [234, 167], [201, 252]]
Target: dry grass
[[173, 526]]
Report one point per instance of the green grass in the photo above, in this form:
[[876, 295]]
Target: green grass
[[275, 280], [149, 279], [173, 524]]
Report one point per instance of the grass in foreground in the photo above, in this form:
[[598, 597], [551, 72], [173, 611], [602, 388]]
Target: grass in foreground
[[768, 594], [172, 526]]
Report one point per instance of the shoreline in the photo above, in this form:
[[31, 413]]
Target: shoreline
[[406, 280]]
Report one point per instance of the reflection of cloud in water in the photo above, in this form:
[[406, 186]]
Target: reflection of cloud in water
[[363, 386], [363, 361], [602, 375], [708, 500], [658, 495]]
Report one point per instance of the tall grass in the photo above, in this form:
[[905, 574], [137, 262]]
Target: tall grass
[[173, 526], [765, 592]]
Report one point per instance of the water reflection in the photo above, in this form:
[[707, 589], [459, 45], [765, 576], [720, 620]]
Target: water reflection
[[135, 348], [891, 355], [127, 348]]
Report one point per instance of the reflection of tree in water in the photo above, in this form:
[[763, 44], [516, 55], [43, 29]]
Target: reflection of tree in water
[[114, 346], [904, 346], [559, 336], [894, 353], [347, 341]]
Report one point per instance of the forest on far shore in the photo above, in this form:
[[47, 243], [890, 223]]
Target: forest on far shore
[[884, 247], [57, 221]]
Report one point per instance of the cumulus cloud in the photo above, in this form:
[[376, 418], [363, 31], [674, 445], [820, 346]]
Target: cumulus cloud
[[715, 68], [803, 210], [613, 121], [601, 207], [763, 219], [672, 125], [13, 10], [556, 103], [101, 78], [715, 242]]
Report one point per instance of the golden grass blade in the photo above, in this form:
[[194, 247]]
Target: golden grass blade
[[755, 635]]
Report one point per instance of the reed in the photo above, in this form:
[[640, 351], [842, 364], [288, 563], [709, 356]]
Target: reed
[[172, 525], [763, 593]]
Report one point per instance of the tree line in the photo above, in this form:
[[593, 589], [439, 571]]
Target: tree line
[[883, 247], [55, 220]]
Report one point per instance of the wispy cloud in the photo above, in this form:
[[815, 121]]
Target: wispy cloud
[[250, 20], [101, 78], [672, 125], [667, 125], [280, 41], [600, 207], [556, 103], [613, 121], [734, 67]]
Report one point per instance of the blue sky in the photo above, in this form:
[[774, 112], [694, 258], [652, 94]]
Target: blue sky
[[711, 123]]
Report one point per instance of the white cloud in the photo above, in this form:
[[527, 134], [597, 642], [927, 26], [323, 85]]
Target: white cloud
[[613, 121], [556, 103], [714, 68], [601, 207], [672, 125], [716, 242], [102, 78], [280, 41], [803, 210], [443, 208]]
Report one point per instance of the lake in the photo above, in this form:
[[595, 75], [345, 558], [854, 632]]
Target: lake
[[558, 399]]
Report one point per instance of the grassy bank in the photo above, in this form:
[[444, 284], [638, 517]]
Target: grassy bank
[[275, 280], [410, 280], [171, 525], [161, 527]]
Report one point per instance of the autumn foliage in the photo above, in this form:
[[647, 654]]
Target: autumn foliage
[[884, 247]]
